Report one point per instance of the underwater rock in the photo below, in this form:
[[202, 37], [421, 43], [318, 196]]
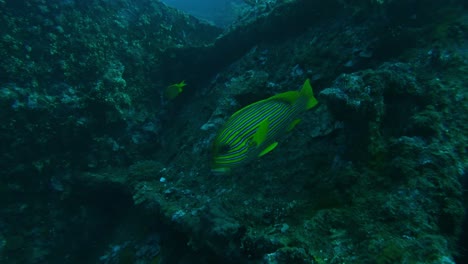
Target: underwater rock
[[231, 45]]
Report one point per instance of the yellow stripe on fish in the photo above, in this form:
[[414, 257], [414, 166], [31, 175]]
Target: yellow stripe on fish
[[252, 131]]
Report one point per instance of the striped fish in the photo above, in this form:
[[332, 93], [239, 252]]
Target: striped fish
[[252, 131]]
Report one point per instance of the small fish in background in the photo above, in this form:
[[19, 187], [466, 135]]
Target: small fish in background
[[173, 90], [252, 131]]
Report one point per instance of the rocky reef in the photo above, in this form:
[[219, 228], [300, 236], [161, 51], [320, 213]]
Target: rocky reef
[[99, 167]]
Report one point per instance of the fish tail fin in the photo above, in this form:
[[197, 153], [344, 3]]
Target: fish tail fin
[[307, 92]]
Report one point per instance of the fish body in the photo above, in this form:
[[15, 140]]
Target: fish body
[[253, 130], [173, 90]]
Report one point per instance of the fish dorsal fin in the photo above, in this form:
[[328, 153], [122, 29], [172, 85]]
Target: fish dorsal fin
[[293, 124], [182, 84], [247, 108], [290, 97], [271, 147], [261, 133]]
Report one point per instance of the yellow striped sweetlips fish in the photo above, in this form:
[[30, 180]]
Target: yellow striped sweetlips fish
[[252, 131]]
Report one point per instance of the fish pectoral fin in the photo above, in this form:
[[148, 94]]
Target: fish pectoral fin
[[261, 133], [271, 147], [293, 124]]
